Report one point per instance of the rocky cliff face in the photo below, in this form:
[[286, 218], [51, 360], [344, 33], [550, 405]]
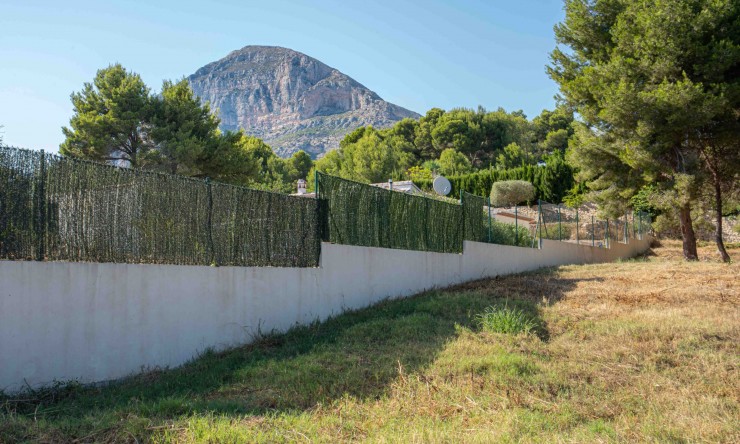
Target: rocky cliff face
[[289, 99]]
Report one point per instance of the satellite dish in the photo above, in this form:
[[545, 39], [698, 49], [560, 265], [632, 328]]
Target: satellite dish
[[442, 186]]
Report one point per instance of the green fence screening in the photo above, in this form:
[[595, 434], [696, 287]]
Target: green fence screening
[[19, 203], [262, 229], [55, 208], [360, 214], [475, 217], [58, 208]]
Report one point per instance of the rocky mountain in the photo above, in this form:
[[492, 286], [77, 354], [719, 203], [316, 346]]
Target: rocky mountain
[[289, 99]]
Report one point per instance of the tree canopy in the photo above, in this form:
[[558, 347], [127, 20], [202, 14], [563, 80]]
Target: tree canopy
[[111, 120], [454, 142], [117, 119], [182, 130], [655, 83]]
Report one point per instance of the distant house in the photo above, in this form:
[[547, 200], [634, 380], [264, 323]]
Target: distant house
[[404, 186], [302, 189]]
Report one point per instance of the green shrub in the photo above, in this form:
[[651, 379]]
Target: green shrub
[[551, 232], [503, 233], [506, 320], [511, 192]]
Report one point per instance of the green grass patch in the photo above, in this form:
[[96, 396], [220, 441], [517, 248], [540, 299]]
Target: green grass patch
[[506, 320]]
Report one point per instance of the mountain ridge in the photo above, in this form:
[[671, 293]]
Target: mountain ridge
[[290, 100]]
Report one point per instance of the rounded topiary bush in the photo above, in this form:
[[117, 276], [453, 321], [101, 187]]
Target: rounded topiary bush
[[511, 192]]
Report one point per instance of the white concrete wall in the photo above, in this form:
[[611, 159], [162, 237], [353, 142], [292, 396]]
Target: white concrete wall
[[94, 322]]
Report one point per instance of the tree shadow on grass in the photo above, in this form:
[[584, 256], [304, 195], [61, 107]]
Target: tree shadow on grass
[[542, 287], [355, 354], [527, 292], [650, 252]]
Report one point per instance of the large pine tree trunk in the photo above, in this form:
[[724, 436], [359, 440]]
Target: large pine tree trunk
[[687, 233], [718, 228]]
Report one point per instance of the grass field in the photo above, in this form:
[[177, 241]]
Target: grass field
[[644, 350]]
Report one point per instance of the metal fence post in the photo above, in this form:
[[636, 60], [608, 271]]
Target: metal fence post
[[540, 219], [212, 258], [560, 230], [626, 228], [40, 202], [516, 225], [462, 204], [593, 231], [578, 240], [320, 230], [616, 230], [606, 234], [489, 219], [639, 215]]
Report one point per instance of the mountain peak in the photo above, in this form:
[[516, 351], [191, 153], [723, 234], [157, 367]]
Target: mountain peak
[[289, 99]]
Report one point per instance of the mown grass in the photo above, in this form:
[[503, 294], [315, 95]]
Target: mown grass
[[641, 350]]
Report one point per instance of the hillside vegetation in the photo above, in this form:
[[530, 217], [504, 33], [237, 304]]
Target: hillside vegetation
[[641, 350]]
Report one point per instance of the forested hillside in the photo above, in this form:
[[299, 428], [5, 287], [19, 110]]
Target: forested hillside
[[451, 143]]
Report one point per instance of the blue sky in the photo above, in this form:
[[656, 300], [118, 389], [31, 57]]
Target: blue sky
[[417, 54]]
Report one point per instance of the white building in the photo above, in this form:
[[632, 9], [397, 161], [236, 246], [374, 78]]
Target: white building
[[404, 186]]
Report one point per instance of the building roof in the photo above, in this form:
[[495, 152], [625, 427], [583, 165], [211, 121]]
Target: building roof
[[404, 186]]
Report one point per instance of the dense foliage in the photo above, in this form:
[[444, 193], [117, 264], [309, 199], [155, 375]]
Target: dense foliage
[[117, 119], [551, 182], [658, 87], [504, 233], [450, 143]]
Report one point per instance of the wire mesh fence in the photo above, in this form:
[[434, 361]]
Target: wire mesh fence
[[544, 220], [57, 208], [360, 214], [483, 223], [581, 225]]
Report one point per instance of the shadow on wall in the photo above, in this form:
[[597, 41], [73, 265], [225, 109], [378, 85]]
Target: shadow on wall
[[357, 354]]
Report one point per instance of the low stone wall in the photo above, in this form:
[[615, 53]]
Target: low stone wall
[[94, 322]]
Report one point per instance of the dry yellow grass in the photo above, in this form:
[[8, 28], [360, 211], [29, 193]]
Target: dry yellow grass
[[646, 350]]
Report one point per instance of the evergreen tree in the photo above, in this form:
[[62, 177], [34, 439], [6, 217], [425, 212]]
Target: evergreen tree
[[181, 128], [649, 78], [111, 120]]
